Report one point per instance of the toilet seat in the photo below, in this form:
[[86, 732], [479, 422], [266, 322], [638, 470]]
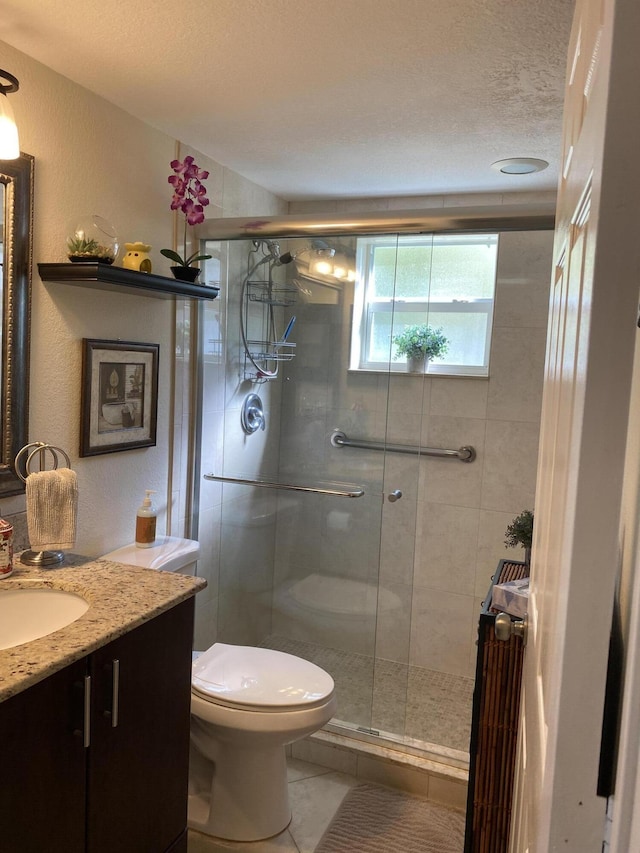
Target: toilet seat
[[262, 680]]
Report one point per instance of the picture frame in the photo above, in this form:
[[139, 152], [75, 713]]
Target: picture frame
[[119, 408]]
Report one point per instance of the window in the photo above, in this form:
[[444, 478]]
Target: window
[[445, 280]]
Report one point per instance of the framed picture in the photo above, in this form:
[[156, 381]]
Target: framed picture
[[119, 396]]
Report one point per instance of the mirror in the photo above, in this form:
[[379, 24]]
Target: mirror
[[16, 198]]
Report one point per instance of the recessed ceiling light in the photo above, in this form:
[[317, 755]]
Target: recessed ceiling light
[[519, 165]]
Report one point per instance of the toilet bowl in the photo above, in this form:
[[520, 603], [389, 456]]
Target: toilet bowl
[[247, 705]]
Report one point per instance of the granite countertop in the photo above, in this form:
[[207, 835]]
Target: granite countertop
[[120, 598]]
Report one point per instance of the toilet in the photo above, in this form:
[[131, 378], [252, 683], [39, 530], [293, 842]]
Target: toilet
[[247, 705]]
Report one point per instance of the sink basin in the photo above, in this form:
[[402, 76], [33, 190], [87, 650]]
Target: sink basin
[[28, 614]]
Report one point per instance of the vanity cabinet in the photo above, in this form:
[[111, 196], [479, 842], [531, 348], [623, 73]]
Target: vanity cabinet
[[94, 759]]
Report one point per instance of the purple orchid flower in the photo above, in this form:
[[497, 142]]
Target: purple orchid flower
[[189, 197]]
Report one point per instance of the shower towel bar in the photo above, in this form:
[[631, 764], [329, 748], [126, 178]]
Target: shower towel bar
[[347, 492], [464, 454]]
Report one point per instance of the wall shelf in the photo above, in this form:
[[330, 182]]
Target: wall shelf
[[109, 277]]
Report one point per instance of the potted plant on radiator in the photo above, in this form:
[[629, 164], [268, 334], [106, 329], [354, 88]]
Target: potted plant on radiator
[[520, 532]]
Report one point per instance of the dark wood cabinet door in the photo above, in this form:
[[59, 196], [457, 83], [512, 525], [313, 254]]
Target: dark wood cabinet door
[[138, 760], [42, 766]]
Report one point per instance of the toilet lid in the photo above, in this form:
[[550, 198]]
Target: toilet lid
[[244, 676]]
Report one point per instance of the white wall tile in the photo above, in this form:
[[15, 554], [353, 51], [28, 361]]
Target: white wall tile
[[393, 775], [408, 394], [450, 481], [473, 199], [398, 540], [458, 397], [511, 456], [393, 632], [524, 277], [517, 365], [325, 755], [440, 629], [448, 792], [416, 202], [446, 548]]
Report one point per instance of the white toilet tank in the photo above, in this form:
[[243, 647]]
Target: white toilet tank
[[169, 553]]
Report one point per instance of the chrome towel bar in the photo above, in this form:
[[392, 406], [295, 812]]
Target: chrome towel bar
[[345, 492], [464, 454]]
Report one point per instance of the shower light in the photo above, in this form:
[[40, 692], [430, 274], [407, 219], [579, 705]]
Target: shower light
[[323, 267], [519, 165], [9, 143], [339, 272]]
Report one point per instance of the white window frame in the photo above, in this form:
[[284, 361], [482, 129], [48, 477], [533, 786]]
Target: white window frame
[[365, 309]]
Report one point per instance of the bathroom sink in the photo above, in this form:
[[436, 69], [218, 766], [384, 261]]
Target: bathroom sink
[[28, 614]]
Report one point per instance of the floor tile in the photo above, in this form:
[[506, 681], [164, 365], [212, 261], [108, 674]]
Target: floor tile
[[283, 843], [314, 802], [298, 769]]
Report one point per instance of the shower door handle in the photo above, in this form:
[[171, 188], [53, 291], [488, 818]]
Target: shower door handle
[[394, 496]]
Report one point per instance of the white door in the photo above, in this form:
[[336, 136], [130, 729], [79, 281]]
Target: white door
[[592, 331]]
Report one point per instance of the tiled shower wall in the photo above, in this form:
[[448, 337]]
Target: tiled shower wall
[[441, 543]]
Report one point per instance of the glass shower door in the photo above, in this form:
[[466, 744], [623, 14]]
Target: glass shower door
[[327, 563]]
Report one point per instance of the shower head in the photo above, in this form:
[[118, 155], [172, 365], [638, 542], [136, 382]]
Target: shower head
[[323, 249], [316, 246]]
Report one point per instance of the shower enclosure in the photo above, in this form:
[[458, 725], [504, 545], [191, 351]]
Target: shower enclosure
[[359, 515]]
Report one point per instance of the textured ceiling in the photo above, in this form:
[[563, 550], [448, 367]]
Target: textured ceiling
[[325, 98]]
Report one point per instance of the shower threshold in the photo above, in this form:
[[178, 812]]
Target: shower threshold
[[403, 750]]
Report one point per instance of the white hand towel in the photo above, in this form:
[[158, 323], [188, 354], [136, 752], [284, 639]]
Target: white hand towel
[[52, 504]]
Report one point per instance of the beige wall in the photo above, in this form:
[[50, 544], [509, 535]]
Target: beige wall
[[91, 157]]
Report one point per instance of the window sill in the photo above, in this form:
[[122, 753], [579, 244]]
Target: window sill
[[371, 372]]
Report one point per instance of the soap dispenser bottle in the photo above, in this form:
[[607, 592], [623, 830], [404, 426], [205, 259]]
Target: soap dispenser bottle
[[146, 522]]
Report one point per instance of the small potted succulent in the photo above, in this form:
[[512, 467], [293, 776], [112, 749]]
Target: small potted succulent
[[420, 344], [520, 532], [93, 241], [190, 198]]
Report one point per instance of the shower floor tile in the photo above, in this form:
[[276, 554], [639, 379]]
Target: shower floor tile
[[421, 704]]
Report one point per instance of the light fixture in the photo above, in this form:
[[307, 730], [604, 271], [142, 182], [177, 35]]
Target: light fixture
[[519, 165], [9, 144], [323, 267]]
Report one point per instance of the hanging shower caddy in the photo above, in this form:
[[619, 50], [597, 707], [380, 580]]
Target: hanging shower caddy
[[262, 301]]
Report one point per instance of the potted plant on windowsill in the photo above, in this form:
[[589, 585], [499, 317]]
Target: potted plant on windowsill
[[520, 532], [420, 344]]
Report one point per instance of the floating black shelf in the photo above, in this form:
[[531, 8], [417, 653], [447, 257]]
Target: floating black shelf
[[109, 277]]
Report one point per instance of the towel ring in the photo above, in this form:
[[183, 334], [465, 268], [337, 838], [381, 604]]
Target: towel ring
[[40, 448], [40, 558]]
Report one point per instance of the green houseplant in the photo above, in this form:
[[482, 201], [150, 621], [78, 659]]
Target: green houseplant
[[420, 344], [520, 532]]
